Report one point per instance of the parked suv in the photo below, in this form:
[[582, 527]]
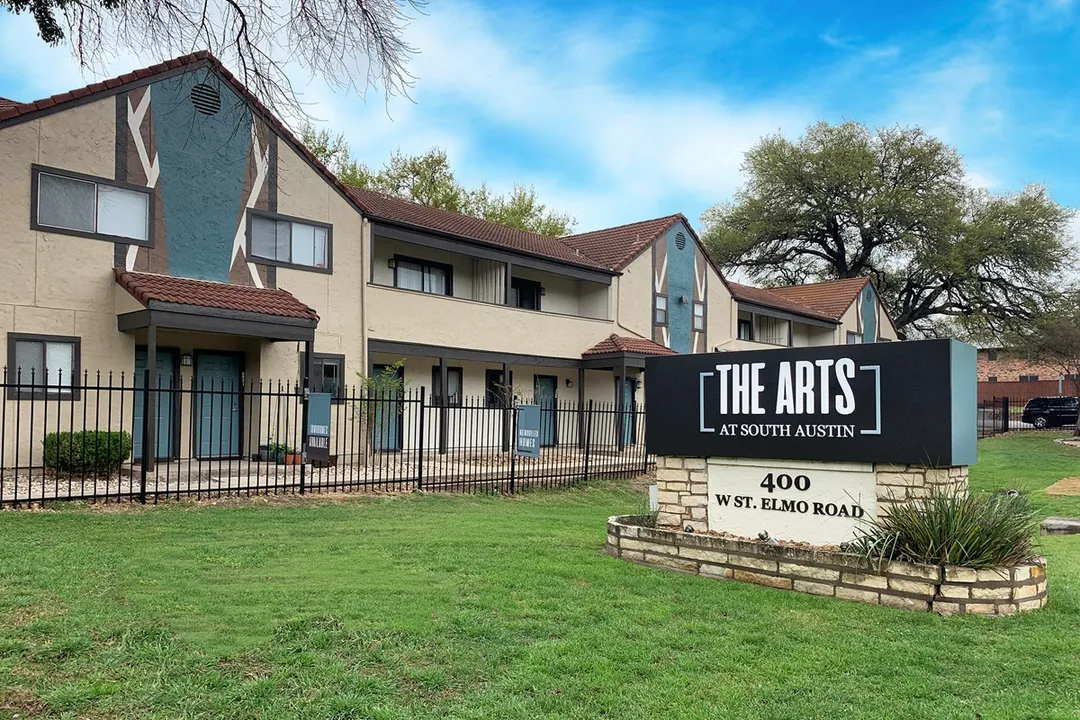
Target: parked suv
[[1045, 412]]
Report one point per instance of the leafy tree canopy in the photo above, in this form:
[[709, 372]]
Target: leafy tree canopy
[[1052, 337], [893, 203], [427, 179]]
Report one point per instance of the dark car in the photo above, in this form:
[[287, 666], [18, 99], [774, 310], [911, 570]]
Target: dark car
[[1046, 412]]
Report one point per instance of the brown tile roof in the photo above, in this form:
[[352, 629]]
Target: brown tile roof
[[768, 298], [6, 104], [147, 288], [831, 298], [614, 247], [619, 343], [405, 212]]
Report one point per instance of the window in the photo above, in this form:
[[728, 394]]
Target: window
[[699, 316], [771, 330], [991, 355], [42, 366], [453, 379], [660, 311], [854, 338], [1029, 378], [497, 393], [281, 240], [746, 326], [76, 204], [327, 373], [992, 378], [423, 276], [525, 294]]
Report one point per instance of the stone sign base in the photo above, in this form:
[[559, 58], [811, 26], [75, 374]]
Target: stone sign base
[[945, 590]]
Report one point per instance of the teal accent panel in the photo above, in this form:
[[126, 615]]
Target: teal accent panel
[[965, 412], [869, 314], [680, 282], [203, 161]]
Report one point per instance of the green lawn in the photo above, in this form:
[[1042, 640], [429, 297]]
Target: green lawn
[[488, 607]]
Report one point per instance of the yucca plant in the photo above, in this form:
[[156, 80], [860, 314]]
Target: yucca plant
[[946, 528]]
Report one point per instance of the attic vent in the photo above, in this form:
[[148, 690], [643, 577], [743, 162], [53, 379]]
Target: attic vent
[[206, 99], [680, 241]]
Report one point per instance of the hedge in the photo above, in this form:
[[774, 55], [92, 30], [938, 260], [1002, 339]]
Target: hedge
[[90, 451]]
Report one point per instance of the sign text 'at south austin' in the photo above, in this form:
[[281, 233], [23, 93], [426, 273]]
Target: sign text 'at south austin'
[[901, 403]]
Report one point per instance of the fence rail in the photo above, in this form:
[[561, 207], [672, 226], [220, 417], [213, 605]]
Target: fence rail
[[87, 441], [999, 415]]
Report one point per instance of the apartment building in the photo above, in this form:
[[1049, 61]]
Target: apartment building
[[167, 220]]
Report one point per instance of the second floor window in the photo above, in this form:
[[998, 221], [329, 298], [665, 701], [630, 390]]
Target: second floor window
[[854, 338], [699, 316], [289, 242], [85, 206], [423, 276], [660, 311], [773, 331], [746, 326], [524, 294]]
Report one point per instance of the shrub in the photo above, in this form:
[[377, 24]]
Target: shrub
[[976, 531], [89, 451]]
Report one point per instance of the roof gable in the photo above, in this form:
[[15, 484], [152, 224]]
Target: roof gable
[[615, 247], [832, 297], [768, 298]]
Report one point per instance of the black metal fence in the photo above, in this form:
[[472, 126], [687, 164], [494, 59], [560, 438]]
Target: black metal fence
[[213, 439], [999, 415]]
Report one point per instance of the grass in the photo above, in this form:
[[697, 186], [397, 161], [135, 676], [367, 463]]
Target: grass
[[488, 607]]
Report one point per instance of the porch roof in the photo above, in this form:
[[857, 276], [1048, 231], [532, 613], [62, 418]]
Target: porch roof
[[203, 305], [617, 350]]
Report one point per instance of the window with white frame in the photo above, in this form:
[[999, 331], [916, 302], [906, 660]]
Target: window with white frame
[[287, 241], [660, 310], [854, 338], [80, 205], [746, 326], [771, 330], [43, 366], [699, 316]]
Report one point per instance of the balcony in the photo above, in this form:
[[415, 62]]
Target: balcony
[[416, 317]]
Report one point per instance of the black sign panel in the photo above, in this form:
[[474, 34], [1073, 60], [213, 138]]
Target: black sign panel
[[900, 402]]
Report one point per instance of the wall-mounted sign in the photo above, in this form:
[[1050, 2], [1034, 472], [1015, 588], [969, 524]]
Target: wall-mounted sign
[[318, 426], [819, 503], [900, 402], [528, 431]]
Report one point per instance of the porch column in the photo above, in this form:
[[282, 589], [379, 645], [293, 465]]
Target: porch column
[[620, 406], [506, 399], [150, 406], [444, 405], [581, 406]]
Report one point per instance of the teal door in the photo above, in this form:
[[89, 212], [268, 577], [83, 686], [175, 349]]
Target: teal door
[[629, 429], [544, 387], [218, 387], [387, 415], [166, 399]]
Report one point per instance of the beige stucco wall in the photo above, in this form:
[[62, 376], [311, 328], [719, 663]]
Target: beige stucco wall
[[633, 297], [718, 309], [407, 316], [304, 193], [849, 322]]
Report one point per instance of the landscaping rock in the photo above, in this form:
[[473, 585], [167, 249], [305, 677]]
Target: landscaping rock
[[1060, 526]]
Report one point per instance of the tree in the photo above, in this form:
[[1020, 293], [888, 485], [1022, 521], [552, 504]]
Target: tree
[[428, 179], [845, 201], [1053, 338], [351, 43]]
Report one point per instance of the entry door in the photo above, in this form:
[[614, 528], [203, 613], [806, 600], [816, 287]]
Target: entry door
[[218, 394], [544, 387], [165, 398], [629, 426], [388, 417]]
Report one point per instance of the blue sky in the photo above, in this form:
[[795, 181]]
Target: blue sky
[[619, 110]]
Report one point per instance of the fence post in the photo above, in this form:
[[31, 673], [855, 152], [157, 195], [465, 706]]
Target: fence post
[[420, 445], [147, 449], [513, 448], [588, 440], [1005, 414], [305, 391]]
